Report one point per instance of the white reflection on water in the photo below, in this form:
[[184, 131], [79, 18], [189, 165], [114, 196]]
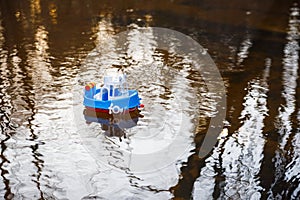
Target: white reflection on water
[[239, 54], [241, 153], [40, 59], [292, 173], [141, 47], [106, 45], [290, 75], [204, 185], [5, 105], [244, 50], [23, 146], [43, 154]]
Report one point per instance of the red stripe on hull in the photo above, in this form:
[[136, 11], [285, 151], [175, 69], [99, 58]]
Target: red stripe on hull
[[107, 111]]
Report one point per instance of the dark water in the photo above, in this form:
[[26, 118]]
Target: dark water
[[49, 150]]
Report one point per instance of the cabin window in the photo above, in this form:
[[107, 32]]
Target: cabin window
[[111, 90], [104, 94]]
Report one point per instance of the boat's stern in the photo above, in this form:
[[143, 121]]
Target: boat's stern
[[90, 90]]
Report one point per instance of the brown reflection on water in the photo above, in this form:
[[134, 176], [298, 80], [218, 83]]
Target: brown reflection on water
[[43, 44]]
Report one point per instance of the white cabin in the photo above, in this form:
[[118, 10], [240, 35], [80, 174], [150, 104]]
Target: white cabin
[[114, 87]]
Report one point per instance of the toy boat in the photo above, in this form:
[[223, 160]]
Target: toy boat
[[113, 97]]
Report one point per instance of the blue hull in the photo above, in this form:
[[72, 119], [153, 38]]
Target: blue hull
[[117, 105]]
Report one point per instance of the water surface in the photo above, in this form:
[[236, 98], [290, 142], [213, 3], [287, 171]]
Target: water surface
[[49, 151]]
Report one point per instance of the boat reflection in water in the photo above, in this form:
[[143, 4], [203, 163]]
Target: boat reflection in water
[[113, 125]]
